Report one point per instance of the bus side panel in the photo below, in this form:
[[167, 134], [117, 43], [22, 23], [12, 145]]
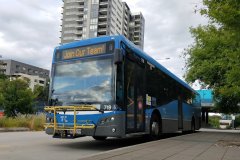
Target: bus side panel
[[197, 115], [188, 113], [169, 116], [169, 113]]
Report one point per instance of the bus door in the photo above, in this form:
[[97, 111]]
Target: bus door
[[139, 105], [134, 100]]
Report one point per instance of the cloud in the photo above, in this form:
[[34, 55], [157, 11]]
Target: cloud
[[29, 29], [167, 29], [85, 69]]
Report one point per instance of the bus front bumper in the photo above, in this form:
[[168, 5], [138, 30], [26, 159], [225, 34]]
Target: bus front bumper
[[112, 126]]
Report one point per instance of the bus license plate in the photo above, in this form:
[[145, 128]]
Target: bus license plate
[[79, 131]]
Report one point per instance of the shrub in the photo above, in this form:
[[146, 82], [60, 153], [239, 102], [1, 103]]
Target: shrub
[[237, 121], [214, 121]]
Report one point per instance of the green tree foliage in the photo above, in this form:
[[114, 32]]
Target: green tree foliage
[[214, 58], [41, 93], [15, 97]]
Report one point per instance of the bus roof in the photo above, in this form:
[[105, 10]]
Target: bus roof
[[133, 47]]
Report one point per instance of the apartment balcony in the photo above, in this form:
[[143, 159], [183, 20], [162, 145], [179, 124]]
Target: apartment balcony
[[125, 27], [79, 20], [136, 36], [78, 32], [77, 1], [103, 11], [136, 31], [102, 24], [102, 31], [137, 26], [137, 42], [79, 26], [80, 1], [70, 19], [81, 13], [69, 25], [125, 33], [103, 4], [103, 1], [102, 17], [137, 20], [80, 8]]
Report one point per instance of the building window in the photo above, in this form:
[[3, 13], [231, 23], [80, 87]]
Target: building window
[[94, 21], [93, 27], [94, 14], [41, 81], [85, 17], [95, 1]]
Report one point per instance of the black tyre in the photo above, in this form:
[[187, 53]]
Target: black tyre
[[155, 127], [99, 138]]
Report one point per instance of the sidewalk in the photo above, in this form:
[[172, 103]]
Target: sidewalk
[[197, 146]]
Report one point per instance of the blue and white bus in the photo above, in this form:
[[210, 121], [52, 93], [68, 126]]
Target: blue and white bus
[[107, 87]]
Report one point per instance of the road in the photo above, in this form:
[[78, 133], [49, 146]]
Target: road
[[39, 146]]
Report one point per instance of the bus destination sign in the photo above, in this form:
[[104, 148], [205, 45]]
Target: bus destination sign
[[83, 51]]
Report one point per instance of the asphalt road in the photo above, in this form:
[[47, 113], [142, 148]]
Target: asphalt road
[[39, 146]]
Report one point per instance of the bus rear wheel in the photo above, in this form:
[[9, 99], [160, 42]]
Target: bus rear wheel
[[99, 138], [155, 127]]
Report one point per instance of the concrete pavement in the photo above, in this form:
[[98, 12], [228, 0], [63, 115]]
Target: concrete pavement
[[202, 145], [39, 146], [197, 146]]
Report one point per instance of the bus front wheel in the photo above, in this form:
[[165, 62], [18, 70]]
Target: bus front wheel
[[99, 138]]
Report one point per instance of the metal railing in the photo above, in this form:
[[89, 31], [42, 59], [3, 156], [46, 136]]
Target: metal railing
[[83, 124]]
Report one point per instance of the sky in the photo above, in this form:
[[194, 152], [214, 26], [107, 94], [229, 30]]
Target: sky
[[30, 30]]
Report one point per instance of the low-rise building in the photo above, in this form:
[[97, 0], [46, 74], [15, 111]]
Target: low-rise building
[[34, 75]]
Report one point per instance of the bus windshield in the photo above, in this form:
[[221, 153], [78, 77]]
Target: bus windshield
[[83, 82]]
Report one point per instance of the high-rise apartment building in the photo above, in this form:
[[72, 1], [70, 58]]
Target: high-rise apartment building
[[84, 19]]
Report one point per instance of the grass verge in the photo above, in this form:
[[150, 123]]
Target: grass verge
[[33, 122]]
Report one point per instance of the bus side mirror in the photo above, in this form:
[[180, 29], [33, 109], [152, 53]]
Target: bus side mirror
[[118, 56]]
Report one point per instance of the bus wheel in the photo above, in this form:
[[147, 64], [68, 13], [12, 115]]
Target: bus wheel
[[193, 128], [99, 138], [155, 127]]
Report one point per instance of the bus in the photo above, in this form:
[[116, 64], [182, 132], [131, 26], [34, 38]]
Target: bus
[[107, 87]]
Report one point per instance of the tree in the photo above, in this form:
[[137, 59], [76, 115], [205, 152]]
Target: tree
[[41, 93], [15, 97], [214, 57]]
